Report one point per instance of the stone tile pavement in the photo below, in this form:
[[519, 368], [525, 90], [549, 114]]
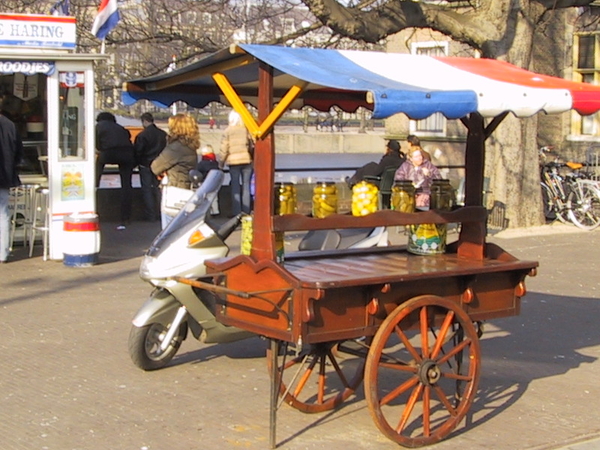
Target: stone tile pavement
[[66, 381]]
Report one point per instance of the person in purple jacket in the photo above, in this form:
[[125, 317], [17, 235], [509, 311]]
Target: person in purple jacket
[[421, 172]]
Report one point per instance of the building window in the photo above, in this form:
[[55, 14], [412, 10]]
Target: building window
[[587, 70], [434, 125]]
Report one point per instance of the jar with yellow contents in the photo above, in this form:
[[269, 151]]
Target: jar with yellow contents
[[285, 198], [403, 196], [325, 199], [365, 198], [248, 236]]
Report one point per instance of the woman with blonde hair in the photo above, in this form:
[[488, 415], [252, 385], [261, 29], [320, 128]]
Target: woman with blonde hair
[[235, 152], [179, 156]]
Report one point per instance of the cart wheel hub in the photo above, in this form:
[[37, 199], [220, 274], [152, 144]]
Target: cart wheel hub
[[429, 372]]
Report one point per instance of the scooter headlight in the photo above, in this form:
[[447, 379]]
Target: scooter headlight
[[200, 234]]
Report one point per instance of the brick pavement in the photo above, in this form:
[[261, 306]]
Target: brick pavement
[[66, 381]]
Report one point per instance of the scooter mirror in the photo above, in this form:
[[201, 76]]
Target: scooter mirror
[[195, 177]]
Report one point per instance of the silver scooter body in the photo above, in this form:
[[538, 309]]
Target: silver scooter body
[[171, 255]]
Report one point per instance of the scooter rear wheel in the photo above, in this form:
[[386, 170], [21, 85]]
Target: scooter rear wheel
[[145, 342]]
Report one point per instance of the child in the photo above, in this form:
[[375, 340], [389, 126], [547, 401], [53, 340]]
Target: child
[[207, 161]]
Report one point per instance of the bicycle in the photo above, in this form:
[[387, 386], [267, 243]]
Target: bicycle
[[583, 202], [574, 197], [555, 188]]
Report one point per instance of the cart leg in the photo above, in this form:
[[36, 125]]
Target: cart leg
[[274, 393]]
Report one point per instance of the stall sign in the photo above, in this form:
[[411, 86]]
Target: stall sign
[[27, 67], [72, 186], [25, 87], [71, 79], [30, 30]]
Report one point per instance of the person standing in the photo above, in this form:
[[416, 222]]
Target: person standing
[[11, 154], [148, 145], [179, 156], [114, 146], [236, 153]]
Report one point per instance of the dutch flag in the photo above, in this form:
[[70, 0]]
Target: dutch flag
[[107, 18]]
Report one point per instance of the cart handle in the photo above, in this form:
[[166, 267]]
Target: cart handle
[[220, 289]]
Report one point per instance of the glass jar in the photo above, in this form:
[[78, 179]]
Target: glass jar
[[325, 199], [403, 196], [246, 239], [365, 198], [285, 198], [441, 195], [248, 235]]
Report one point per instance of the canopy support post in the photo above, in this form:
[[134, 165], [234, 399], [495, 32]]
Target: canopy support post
[[263, 240], [472, 234]]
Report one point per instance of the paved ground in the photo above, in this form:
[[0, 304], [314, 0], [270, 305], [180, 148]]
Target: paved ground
[[66, 381]]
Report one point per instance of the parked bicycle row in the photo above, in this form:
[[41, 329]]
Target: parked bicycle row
[[570, 192]]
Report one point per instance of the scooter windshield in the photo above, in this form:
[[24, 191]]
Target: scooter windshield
[[192, 213]]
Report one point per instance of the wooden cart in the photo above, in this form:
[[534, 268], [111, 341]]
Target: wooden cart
[[406, 324], [402, 320]]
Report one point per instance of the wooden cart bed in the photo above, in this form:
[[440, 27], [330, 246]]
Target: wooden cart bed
[[324, 296]]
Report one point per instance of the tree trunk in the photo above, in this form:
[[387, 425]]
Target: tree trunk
[[511, 157]]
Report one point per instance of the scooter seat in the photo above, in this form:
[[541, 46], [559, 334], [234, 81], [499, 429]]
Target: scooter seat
[[320, 240]]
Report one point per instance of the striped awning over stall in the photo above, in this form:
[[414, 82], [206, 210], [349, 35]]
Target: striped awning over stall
[[386, 83]]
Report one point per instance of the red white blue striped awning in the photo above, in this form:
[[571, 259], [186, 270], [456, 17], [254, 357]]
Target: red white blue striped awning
[[386, 83]]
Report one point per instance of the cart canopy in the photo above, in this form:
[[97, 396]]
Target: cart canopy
[[386, 83]]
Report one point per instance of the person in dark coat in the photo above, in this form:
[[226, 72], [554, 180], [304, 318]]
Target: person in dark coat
[[114, 146], [11, 154], [148, 145], [392, 157]]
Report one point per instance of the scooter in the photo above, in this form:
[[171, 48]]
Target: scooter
[[180, 250]]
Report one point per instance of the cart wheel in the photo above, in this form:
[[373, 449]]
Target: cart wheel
[[418, 386], [323, 376]]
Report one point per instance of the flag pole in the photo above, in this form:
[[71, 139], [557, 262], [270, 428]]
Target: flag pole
[[103, 47]]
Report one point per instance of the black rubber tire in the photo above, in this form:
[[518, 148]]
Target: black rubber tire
[[144, 345]]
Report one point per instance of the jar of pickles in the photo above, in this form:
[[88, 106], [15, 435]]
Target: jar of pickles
[[442, 195], [285, 198], [325, 199], [246, 239], [403, 196], [365, 198], [248, 236]]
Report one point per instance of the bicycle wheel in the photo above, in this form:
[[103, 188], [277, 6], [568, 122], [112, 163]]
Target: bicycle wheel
[[583, 204]]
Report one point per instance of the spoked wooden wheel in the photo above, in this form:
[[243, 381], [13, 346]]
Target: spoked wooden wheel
[[323, 376], [422, 371]]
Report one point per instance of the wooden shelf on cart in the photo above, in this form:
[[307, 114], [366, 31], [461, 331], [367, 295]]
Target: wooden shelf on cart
[[387, 217]]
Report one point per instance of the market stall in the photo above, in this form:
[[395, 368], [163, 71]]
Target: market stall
[[48, 92]]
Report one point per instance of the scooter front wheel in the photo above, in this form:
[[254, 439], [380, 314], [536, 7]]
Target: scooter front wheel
[[145, 345]]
